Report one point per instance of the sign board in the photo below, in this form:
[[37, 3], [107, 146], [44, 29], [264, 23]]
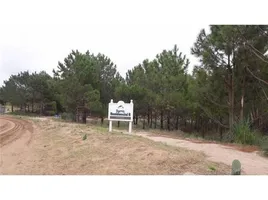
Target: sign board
[[120, 111]]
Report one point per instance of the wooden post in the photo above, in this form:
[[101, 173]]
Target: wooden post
[[110, 126], [130, 123], [130, 127]]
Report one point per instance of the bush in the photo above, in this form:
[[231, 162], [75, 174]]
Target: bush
[[68, 116], [50, 108], [228, 137], [264, 145], [84, 137], [22, 113], [50, 113], [243, 134]]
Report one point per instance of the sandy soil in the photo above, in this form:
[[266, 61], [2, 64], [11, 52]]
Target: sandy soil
[[44, 146], [252, 163]]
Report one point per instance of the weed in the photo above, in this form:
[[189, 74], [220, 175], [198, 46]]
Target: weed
[[212, 168], [85, 137], [264, 145]]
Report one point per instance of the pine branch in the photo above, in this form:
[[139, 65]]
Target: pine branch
[[217, 104], [263, 31], [264, 93], [256, 76], [254, 50], [209, 115]]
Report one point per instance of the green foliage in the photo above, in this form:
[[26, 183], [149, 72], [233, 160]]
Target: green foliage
[[212, 168], [20, 113], [236, 167], [243, 134], [68, 116], [50, 113], [264, 145], [50, 108], [84, 137]]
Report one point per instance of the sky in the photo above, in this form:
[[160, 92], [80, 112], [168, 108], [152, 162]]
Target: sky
[[40, 47], [35, 35]]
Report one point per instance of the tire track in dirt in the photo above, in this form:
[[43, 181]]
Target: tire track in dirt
[[13, 129]]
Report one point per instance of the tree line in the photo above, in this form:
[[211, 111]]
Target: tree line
[[227, 88]]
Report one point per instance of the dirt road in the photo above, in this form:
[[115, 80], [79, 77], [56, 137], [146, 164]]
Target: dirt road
[[252, 163], [12, 129], [43, 146]]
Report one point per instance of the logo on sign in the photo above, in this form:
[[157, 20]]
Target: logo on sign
[[120, 111]]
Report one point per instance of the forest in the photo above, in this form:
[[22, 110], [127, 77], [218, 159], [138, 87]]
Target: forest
[[225, 97]]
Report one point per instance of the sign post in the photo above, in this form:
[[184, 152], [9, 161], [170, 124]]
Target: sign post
[[120, 111]]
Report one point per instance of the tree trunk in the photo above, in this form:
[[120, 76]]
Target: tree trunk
[[242, 105], [12, 110], [134, 120], [102, 120], [203, 128], [151, 120], [148, 116], [168, 122], [32, 106], [155, 120], [177, 122], [161, 120], [118, 123], [137, 119], [231, 94], [220, 129], [143, 124], [41, 108], [84, 117]]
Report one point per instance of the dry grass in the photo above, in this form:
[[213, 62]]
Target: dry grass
[[59, 148]]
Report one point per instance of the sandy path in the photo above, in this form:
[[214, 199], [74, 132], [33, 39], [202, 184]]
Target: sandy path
[[15, 137], [12, 129], [252, 163]]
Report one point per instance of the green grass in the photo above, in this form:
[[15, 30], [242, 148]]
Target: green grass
[[84, 137], [212, 168]]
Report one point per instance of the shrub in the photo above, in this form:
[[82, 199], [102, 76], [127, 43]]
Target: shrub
[[22, 113], [228, 137], [264, 145], [50, 113], [243, 134], [68, 116], [84, 137]]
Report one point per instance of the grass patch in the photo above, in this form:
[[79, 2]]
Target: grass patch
[[84, 137], [212, 168]]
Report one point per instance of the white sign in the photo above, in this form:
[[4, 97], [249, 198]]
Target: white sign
[[120, 111]]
